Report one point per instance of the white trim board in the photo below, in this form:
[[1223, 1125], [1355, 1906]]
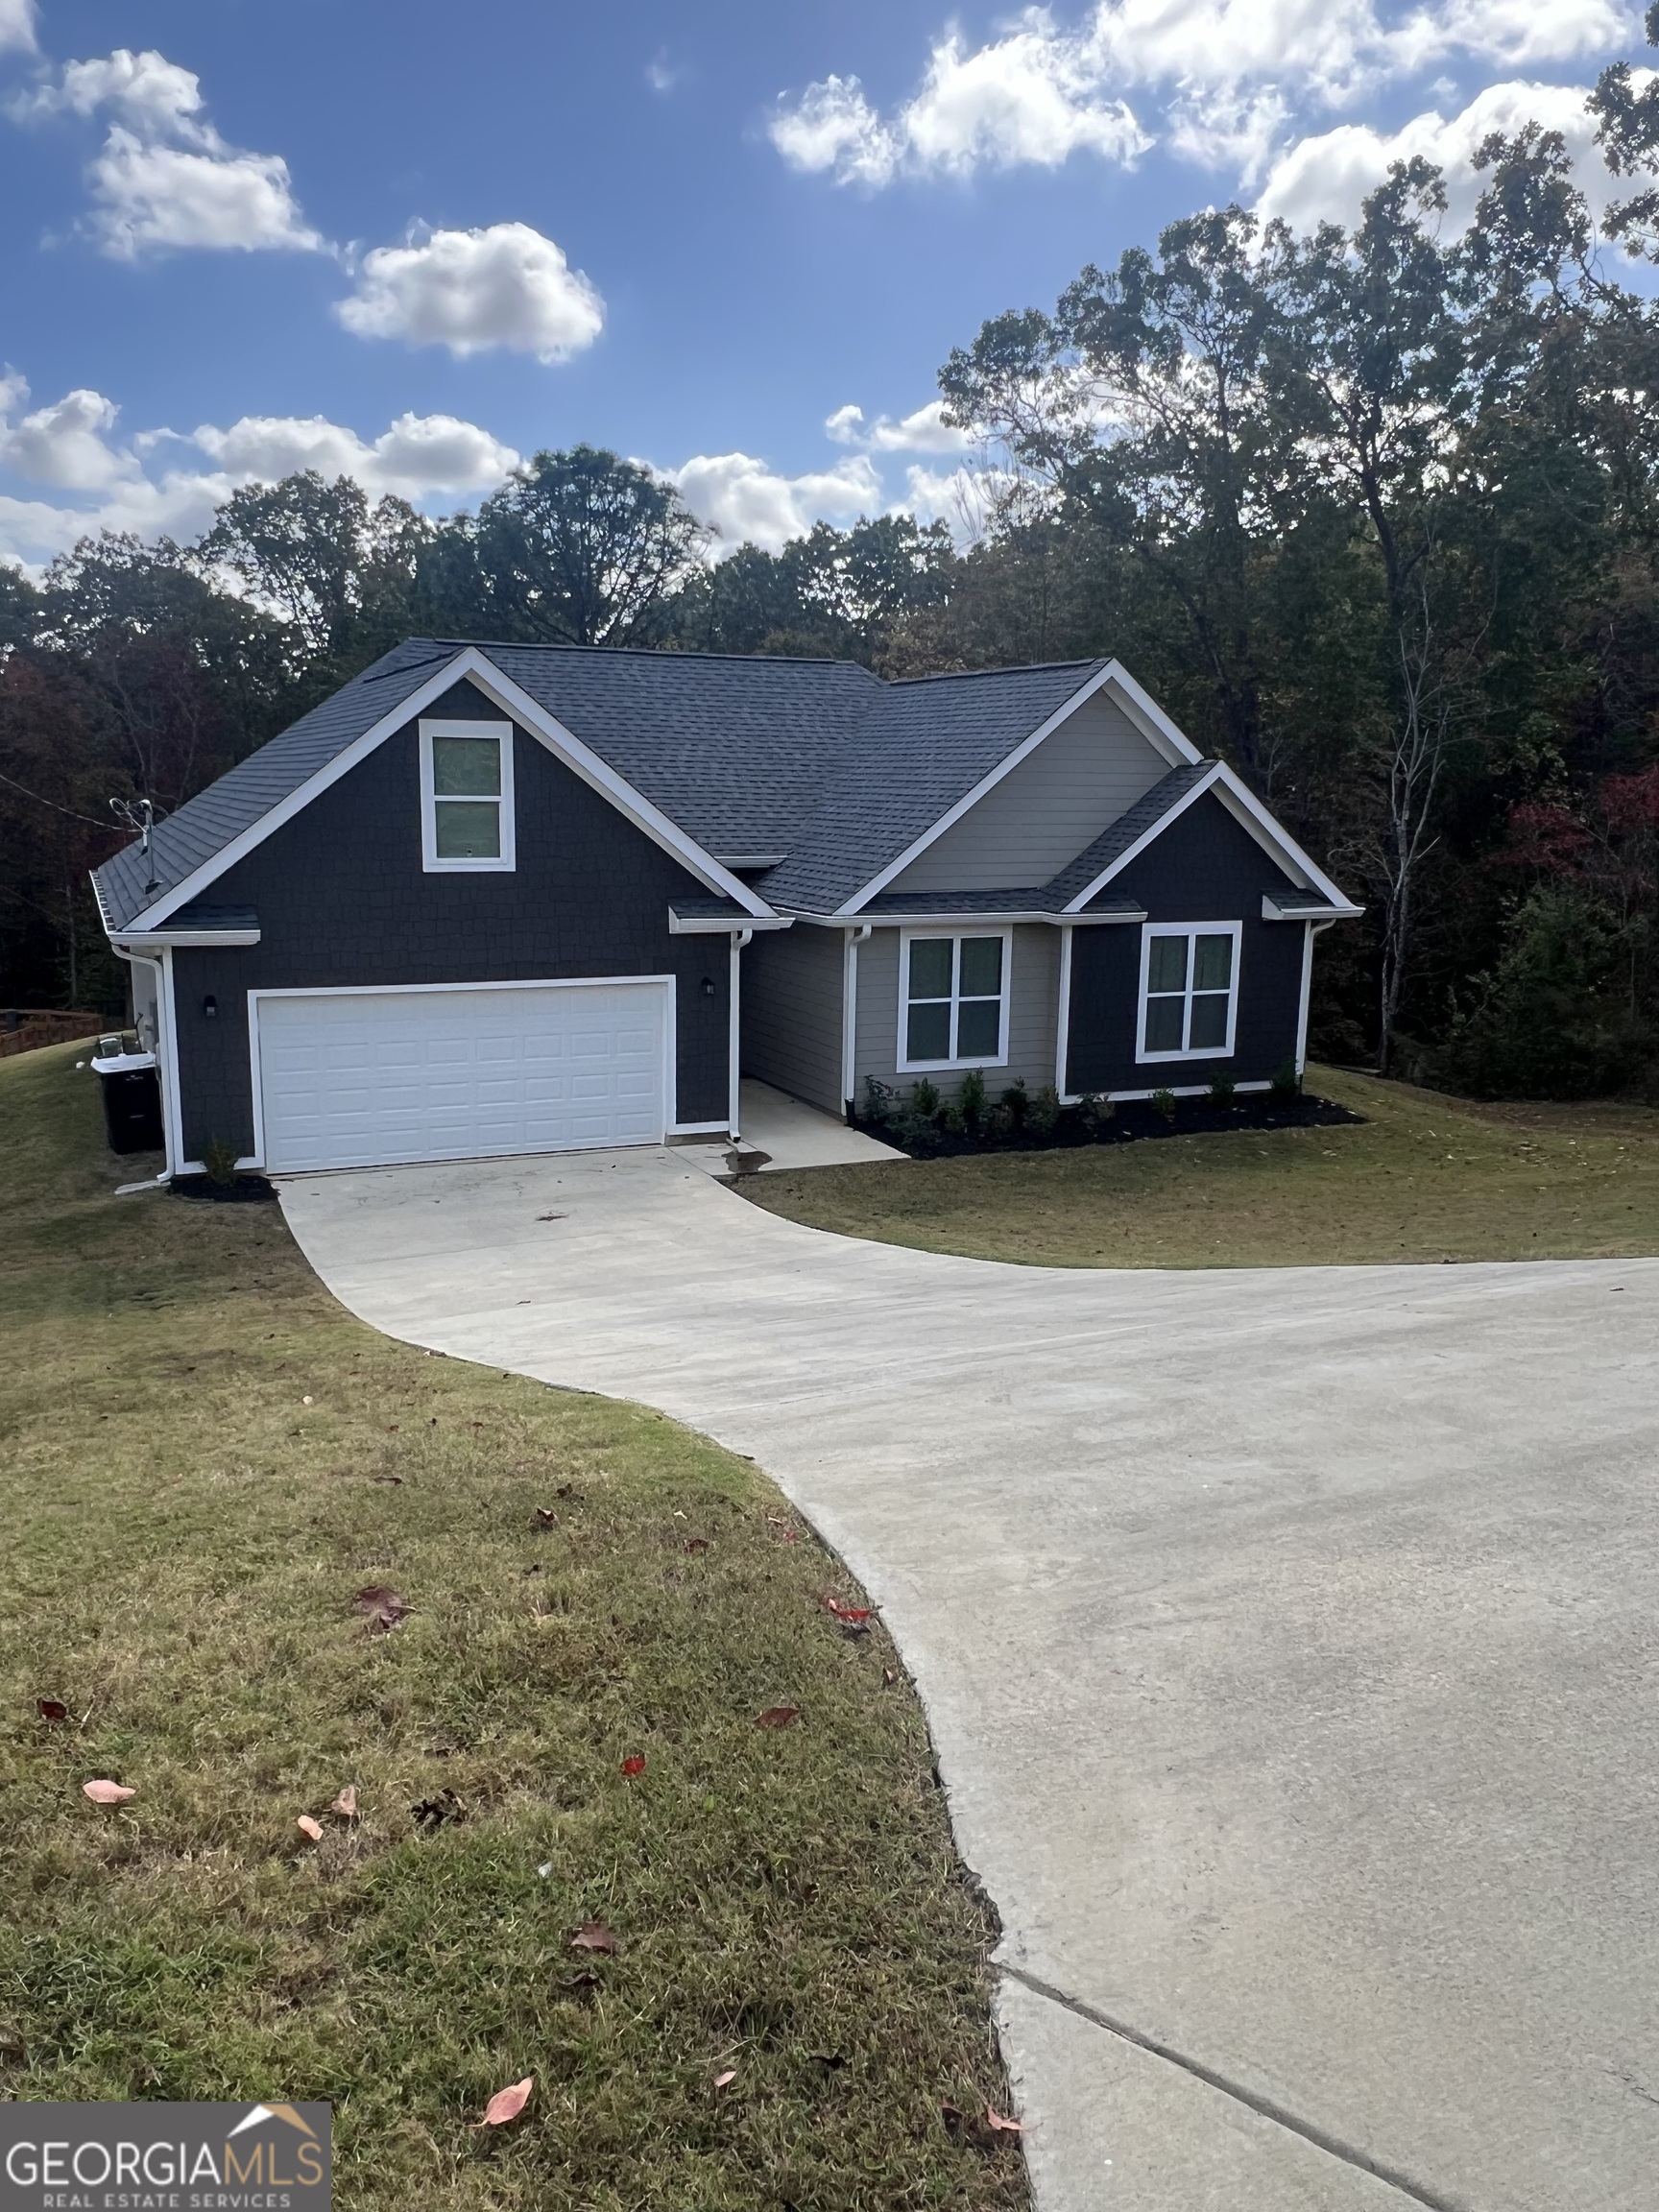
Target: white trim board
[[472, 664], [670, 1040], [1148, 719]]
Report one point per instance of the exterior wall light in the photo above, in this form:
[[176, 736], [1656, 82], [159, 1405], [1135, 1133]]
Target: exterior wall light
[[210, 1008]]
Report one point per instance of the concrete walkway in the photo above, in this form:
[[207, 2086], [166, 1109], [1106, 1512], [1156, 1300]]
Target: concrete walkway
[[1291, 1642]]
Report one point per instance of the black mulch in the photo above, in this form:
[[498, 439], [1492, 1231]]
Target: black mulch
[[1132, 1118], [245, 1191]]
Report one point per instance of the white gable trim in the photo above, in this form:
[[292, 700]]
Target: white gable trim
[[1140, 710], [468, 664], [1248, 811]]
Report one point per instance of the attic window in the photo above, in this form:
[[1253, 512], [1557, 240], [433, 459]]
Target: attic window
[[466, 797]]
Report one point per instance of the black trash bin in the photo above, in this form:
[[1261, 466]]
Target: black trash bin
[[132, 1101]]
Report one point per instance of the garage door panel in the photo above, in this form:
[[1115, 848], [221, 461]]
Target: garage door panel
[[363, 1080]]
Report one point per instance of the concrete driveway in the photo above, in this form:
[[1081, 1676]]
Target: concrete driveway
[[1291, 1642]]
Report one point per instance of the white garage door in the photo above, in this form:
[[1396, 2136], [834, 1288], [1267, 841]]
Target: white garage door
[[364, 1079]]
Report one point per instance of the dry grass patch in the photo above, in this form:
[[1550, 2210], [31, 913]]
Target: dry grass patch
[[204, 1462]]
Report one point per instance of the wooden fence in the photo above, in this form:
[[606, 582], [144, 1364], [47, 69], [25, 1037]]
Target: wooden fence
[[26, 1028]]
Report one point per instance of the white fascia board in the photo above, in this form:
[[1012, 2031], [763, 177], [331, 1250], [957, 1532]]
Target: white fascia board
[[153, 940], [1134, 851], [469, 663], [717, 926], [1150, 720], [1292, 909]]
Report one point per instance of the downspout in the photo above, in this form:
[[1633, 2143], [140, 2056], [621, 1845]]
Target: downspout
[[850, 1015], [164, 1071], [733, 1040], [1063, 1014], [1313, 928]]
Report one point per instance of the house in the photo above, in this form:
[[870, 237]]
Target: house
[[501, 899]]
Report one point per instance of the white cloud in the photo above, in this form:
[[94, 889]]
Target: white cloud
[[747, 502], [164, 178], [1326, 178], [1230, 74], [16, 26], [469, 290], [925, 431], [67, 447]]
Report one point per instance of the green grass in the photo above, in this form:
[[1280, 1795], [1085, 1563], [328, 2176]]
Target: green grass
[[1425, 1177], [192, 1435]]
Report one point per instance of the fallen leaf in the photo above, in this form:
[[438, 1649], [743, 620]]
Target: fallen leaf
[[383, 1607], [397, 1478], [545, 1869], [346, 1804], [789, 1536], [507, 2103], [591, 1935], [309, 1827], [848, 1612], [545, 1517], [726, 2079], [103, 1792], [634, 1763], [432, 1812], [552, 1217], [777, 1716], [999, 2125], [888, 1676], [696, 1543], [51, 1708], [307, 1400], [583, 1984]]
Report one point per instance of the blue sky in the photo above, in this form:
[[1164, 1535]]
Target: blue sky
[[418, 241]]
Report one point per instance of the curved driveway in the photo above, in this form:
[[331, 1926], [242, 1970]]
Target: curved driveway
[[1291, 1642]]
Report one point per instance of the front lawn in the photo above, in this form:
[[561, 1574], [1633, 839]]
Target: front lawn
[[205, 1460], [1423, 1177]]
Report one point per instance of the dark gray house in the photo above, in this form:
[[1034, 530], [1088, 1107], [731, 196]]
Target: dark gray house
[[501, 899]]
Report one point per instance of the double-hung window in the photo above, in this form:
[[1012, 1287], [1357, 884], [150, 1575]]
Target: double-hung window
[[953, 1000], [466, 796], [1189, 989]]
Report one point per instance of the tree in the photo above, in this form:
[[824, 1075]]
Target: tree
[[583, 548]]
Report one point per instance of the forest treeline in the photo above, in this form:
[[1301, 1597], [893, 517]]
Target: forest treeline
[[1374, 513]]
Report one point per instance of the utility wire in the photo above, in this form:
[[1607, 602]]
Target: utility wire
[[73, 815]]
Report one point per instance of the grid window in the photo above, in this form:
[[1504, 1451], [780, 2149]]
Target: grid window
[[1188, 991], [466, 796], [955, 1005]]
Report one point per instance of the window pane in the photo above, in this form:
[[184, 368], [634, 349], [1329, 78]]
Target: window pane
[[981, 967], [1212, 963], [931, 972], [1167, 963], [1164, 1025], [1210, 1020], [470, 767], [927, 1034], [978, 1028], [468, 830]]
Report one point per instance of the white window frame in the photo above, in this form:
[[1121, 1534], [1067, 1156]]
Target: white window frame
[[1190, 931], [431, 863], [953, 937]]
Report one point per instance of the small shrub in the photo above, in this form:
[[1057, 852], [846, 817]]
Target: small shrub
[[220, 1160], [971, 1100], [1044, 1110], [1163, 1101], [1001, 1122], [1093, 1111], [951, 1121], [880, 1100], [924, 1100], [1018, 1104], [1223, 1090], [1286, 1087]]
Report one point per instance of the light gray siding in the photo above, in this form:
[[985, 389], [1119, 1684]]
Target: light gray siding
[[1044, 813], [1034, 984], [790, 1015]]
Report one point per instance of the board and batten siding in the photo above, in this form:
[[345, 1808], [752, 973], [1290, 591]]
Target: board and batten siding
[[1045, 811], [1032, 1009], [790, 1012]]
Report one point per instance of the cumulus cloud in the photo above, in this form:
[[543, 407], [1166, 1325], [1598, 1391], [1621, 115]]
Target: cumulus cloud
[[748, 502], [469, 290], [164, 179], [1326, 178], [16, 26], [1228, 75], [925, 431], [166, 482]]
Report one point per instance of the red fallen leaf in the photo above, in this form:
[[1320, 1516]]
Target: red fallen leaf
[[999, 2125], [848, 1612], [309, 1827], [103, 1792], [591, 1935], [777, 1716], [726, 2079], [507, 2103], [696, 1543], [346, 1804], [51, 1708], [634, 1763], [789, 1536]]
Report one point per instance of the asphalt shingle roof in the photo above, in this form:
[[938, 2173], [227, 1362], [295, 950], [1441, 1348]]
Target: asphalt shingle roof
[[816, 759]]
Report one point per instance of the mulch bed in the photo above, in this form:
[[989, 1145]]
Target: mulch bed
[[1132, 1119], [245, 1191]]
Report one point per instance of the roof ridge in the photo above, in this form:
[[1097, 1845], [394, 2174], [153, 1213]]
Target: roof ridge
[[653, 652], [1002, 668]]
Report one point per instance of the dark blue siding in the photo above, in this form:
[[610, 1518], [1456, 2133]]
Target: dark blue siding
[[342, 899], [1204, 868]]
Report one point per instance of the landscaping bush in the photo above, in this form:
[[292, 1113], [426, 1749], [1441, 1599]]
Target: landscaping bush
[[1163, 1101], [1223, 1090]]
